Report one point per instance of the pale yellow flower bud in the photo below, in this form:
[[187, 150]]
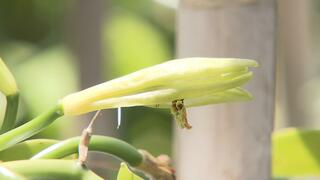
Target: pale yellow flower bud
[[8, 84], [199, 81]]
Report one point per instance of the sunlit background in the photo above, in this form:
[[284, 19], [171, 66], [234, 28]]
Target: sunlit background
[[56, 47]]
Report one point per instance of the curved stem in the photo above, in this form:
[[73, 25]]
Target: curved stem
[[26, 149], [30, 128], [50, 169], [11, 112], [105, 144]]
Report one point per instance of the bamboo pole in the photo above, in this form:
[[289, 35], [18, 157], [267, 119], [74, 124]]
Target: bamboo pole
[[232, 141]]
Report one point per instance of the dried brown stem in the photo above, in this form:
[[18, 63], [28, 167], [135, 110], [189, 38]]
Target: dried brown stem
[[85, 140]]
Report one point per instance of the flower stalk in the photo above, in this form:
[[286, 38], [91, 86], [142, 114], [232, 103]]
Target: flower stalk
[[10, 113], [8, 87], [26, 149], [7, 174], [139, 159], [50, 169], [30, 128], [104, 144]]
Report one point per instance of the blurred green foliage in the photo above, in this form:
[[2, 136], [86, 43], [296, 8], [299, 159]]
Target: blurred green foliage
[[135, 34], [148, 128], [43, 77], [134, 44], [160, 16], [296, 152], [32, 20], [50, 72], [30, 36]]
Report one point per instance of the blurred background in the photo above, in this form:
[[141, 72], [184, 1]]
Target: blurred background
[[56, 47]]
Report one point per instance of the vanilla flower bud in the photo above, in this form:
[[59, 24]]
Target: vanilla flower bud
[[196, 81], [8, 84]]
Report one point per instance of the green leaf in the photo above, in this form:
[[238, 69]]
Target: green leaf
[[296, 153], [126, 174], [50, 169]]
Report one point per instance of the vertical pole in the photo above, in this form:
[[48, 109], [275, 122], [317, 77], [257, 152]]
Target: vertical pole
[[86, 40], [231, 141], [295, 54], [86, 33]]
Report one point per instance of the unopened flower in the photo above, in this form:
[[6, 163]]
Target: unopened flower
[[8, 84], [190, 82]]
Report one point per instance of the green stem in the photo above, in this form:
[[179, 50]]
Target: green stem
[[30, 128], [105, 144], [25, 149], [50, 169], [7, 174], [11, 112]]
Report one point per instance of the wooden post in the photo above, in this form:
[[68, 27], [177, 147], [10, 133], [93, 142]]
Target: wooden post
[[231, 141]]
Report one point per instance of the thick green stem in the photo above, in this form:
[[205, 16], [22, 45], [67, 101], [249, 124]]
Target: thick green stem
[[30, 128], [9, 175], [108, 145], [11, 112], [50, 169], [26, 149]]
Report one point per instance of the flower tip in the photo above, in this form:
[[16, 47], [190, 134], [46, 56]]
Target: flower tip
[[245, 95], [253, 63], [249, 96], [249, 62]]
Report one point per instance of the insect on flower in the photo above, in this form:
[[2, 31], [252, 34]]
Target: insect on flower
[[178, 110]]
